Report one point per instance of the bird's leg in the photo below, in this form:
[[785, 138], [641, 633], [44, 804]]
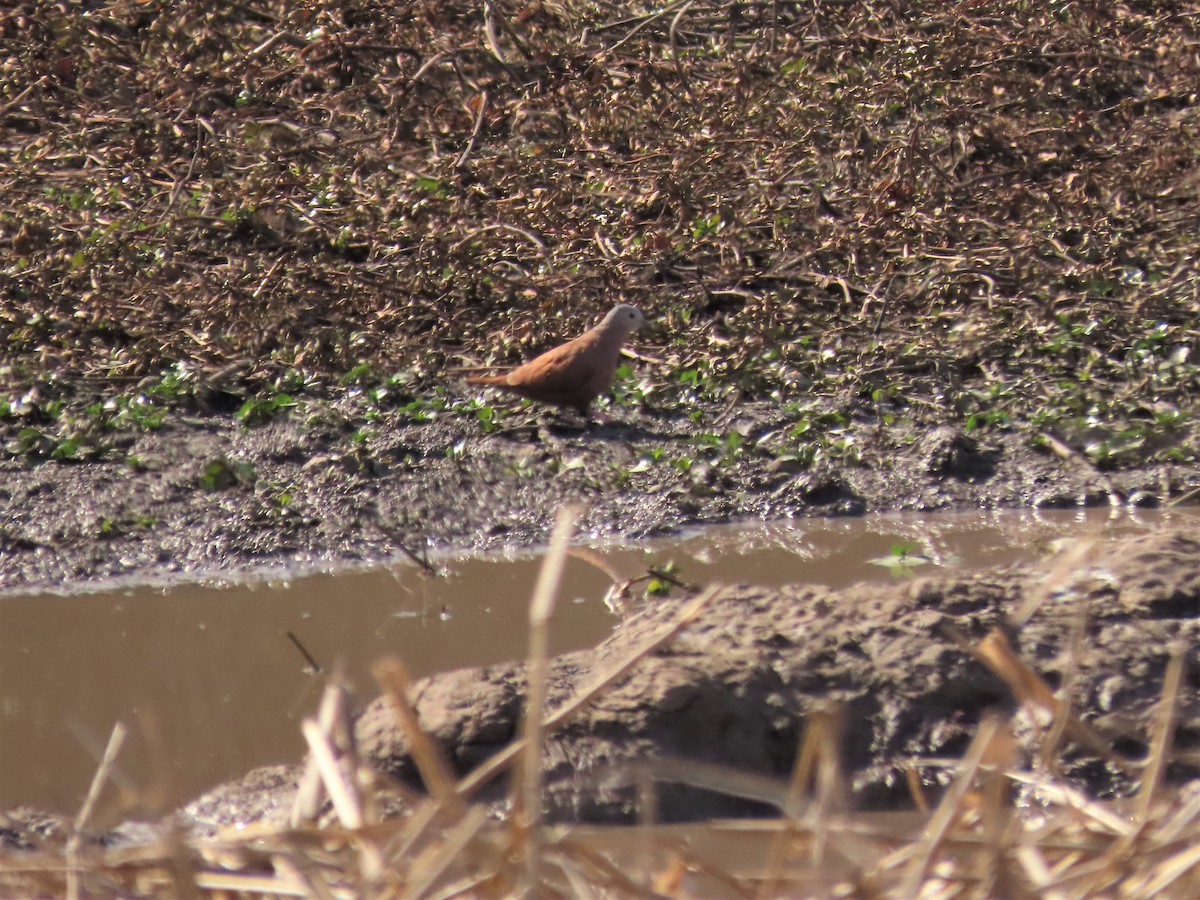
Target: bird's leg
[[560, 418]]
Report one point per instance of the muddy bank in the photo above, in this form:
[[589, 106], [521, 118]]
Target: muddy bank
[[203, 493], [734, 688]]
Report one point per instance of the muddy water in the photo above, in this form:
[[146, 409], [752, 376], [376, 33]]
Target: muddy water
[[210, 684]]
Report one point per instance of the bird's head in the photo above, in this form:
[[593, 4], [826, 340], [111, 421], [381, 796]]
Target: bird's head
[[624, 317]]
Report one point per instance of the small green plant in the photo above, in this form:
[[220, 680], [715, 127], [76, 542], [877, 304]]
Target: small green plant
[[68, 448], [362, 455], [996, 418], [693, 377], [707, 226], [488, 418], [902, 558], [418, 410], [37, 445], [988, 408], [363, 373], [282, 496], [279, 497], [883, 398], [844, 448], [663, 578], [222, 472], [262, 409], [107, 527], [809, 423], [177, 382], [649, 458], [683, 464], [433, 187], [725, 450], [295, 381], [626, 389], [396, 391], [820, 435], [138, 410]]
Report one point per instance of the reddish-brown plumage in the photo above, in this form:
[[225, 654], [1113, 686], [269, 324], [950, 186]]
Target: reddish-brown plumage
[[575, 373]]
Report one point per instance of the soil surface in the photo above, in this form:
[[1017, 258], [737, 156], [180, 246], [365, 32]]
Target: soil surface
[[307, 497]]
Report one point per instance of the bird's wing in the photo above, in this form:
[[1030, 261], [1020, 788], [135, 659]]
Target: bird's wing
[[563, 370]]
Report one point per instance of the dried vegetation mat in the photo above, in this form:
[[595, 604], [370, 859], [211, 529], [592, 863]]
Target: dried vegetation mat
[[1001, 827], [921, 211]]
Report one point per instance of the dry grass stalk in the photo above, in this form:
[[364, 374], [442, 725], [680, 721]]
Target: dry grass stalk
[[1031, 691], [1078, 807], [527, 803], [432, 864], [393, 678], [471, 886], [266, 885], [707, 869], [414, 829], [339, 783], [333, 756], [913, 778], [331, 712], [1063, 716], [1164, 733], [707, 776], [995, 817], [647, 818], [1126, 846], [502, 760], [1063, 845], [577, 880], [602, 868], [1168, 872], [829, 786], [1187, 816], [923, 852], [1065, 569], [115, 741], [298, 868], [817, 755]]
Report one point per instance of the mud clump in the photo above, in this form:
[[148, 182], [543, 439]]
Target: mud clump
[[735, 687]]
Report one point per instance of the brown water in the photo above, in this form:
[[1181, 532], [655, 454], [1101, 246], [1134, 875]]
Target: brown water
[[210, 685]]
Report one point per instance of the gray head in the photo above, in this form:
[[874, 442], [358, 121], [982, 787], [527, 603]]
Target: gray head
[[623, 317]]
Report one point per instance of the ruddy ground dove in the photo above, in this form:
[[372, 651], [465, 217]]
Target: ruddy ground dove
[[575, 373]]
